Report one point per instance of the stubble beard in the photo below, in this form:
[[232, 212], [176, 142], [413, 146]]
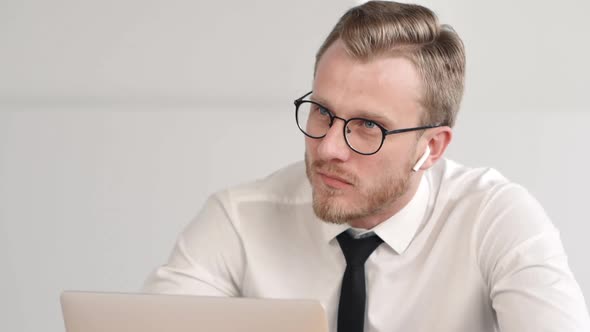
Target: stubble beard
[[371, 200]]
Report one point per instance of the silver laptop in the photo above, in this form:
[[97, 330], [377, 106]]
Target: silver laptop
[[119, 312]]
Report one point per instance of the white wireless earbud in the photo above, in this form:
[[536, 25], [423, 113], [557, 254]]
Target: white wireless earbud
[[422, 159]]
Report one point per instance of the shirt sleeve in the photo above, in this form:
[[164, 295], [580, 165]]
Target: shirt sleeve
[[207, 259], [524, 264]]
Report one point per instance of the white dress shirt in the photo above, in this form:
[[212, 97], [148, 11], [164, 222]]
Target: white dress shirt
[[470, 252]]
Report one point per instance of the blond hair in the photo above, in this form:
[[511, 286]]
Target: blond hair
[[386, 28]]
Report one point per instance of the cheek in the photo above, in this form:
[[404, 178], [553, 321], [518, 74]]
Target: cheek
[[398, 154], [382, 166], [311, 146], [370, 169]]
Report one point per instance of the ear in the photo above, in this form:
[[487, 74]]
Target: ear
[[437, 139]]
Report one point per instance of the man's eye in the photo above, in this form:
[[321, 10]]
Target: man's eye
[[369, 124], [323, 111]]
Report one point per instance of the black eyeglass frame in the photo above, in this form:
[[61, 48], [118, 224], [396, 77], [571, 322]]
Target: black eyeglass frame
[[384, 131]]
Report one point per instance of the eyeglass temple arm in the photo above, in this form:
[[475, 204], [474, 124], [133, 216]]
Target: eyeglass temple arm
[[298, 100], [398, 131]]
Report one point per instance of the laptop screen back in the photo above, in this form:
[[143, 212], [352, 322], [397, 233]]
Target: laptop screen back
[[118, 312]]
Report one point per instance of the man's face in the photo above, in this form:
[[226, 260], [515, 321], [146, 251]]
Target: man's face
[[349, 187]]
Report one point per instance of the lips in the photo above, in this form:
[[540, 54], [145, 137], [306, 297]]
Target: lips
[[333, 180]]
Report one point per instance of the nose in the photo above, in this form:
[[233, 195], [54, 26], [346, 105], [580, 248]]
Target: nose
[[333, 146]]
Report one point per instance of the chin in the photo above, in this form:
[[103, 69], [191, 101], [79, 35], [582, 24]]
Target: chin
[[334, 208]]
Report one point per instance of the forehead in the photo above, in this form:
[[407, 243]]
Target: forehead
[[388, 87]]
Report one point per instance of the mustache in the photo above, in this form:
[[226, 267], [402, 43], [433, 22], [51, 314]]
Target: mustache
[[331, 169]]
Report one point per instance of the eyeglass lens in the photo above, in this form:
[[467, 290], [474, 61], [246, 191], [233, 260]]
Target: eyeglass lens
[[361, 135]]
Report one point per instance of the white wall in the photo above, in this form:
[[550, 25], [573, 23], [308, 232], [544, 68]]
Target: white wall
[[118, 118]]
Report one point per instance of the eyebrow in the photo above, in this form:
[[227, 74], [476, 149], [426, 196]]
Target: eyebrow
[[384, 121]]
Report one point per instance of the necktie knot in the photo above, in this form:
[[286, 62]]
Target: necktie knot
[[357, 251]]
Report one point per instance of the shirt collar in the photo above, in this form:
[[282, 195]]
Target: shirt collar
[[328, 230], [400, 229], [397, 231]]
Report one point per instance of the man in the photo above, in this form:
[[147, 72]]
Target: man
[[376, 224]]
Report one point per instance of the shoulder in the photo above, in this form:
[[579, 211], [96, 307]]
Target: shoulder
[[483, 191], [499, 215], [288, 185], [486, 188], [454, 179], [254, 203], [496, 212], [454, 184]]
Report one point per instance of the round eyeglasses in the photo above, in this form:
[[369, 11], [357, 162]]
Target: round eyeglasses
[[362, 135]]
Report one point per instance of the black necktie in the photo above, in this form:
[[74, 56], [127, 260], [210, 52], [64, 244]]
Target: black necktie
[[351, 309]]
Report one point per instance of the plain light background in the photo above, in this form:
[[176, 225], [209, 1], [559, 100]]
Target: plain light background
[[119, 118]]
